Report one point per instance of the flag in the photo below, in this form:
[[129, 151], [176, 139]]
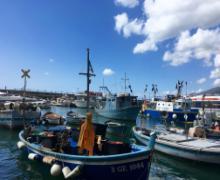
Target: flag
[[90, 67], [130, 88]]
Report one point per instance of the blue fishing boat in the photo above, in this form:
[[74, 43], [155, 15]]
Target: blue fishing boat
[[127, 162], [123, 106], [179, 110], [181, 145]]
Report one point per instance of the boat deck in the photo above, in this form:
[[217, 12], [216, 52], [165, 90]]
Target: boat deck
[[195, 143]]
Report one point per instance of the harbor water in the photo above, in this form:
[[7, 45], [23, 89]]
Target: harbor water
[[15, 165]]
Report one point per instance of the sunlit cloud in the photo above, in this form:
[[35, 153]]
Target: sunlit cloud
[[201, 81], [215, 73], [127, 3], [216, 82], [108, 72]]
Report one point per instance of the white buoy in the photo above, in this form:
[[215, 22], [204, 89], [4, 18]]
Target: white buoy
[[185, 116], [66, 170], [32, 156], [197, 116], [55, 170], [148, 114], [174, 116], [20, 144], [68, 173]]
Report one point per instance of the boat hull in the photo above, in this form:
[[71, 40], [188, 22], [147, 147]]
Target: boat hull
[[129, 113], [175, 149], [83, 104], [134, 165], [191, 116], [15, 120]]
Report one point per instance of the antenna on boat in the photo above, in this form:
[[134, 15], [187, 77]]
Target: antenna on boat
[[179, 86], [88, 74], [154, 89], [125, 81], [203, 108], [103, 82], [145, 91], [25, 75]]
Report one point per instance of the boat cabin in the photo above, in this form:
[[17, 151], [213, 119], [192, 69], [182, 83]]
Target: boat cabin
[[183, 104], [126, 100]]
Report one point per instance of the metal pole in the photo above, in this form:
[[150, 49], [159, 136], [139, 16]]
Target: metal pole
[[125, 82], [88, 79], [25, 82]]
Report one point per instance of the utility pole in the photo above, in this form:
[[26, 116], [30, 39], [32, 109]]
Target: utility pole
[[88, 74], [125, 80]]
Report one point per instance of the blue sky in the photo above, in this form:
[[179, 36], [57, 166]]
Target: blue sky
[[50, 37]]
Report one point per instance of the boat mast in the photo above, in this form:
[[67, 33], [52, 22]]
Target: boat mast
[[88, 74], [125, 80]]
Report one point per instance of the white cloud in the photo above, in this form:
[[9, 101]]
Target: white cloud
[[199, 90], [217, 60], [216, 82], [201, 81], [127, 28], [145, 46], [127, 3], [162, 20], [46, 73], [202, 45], [51, 60], [108, 72], [215, 73]]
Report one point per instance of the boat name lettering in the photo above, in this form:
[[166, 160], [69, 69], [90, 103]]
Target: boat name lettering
[[126, 168]]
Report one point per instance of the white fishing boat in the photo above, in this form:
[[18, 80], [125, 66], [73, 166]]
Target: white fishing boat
[[52, 118], [81, 100], [182, 146], [123, 106], [209, 104], [14, 115], [74, 118]]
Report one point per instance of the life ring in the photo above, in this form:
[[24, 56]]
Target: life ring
[[164, 114]]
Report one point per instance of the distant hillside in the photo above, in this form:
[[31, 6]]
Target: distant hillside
[[213, 91]]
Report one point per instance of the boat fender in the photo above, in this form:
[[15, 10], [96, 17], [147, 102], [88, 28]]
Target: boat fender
[[48, 160], [174, 116], [55, 169], [148, 114], [20, 144], [68, 173], [185, 117], [153, 136], [32, 156]]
